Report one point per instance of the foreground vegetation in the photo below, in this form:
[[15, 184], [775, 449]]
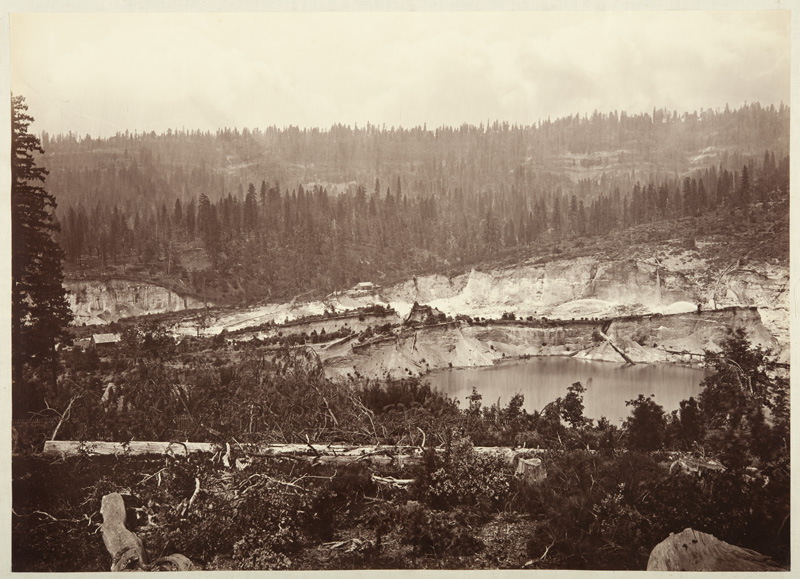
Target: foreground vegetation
[[609, 495]]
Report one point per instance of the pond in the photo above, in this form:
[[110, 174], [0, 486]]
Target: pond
[[542, 380]]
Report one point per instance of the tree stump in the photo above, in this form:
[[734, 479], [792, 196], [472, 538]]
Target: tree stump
[[695, 551], [125, 548], [531, 469]]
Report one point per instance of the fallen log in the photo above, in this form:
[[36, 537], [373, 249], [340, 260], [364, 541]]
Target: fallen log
[[618, 349], [332, 453], [391, 481], [58, 448]]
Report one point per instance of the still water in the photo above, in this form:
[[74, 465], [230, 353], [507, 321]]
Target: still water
[[542, 380]]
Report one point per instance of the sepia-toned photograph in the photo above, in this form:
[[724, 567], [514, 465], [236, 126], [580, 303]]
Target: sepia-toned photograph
[[402, 290]]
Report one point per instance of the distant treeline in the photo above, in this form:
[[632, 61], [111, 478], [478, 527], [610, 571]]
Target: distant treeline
[[397, 201]]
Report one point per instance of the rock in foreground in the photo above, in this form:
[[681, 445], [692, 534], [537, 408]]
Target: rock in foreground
[[695, 551]]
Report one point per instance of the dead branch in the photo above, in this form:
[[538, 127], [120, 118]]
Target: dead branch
[[148, 477], [275, 480], [741, 374], [305, 476], [193, 497], [52, 518], [547, 550], [369, 413], [725, 272], [390, 480], [316, 452], [349, 545], [65, 415], [226, 458], [184, 445], [177, 391], [325, 400]]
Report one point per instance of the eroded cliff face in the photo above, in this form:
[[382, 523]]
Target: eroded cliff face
[[101, 302], [590, 287], [653, 280], [680, 338], [540, 288]]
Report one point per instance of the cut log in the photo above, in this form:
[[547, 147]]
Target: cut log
[[316, 452], [692, 550], [126, 549]]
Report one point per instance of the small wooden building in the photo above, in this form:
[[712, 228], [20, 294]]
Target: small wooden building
[[105, 340]]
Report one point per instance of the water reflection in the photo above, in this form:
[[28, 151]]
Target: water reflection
[[542, 380]]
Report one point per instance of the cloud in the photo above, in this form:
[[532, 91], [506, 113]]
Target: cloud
[[100, 73]]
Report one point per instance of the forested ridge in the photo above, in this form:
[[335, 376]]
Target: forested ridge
[[243, 215]]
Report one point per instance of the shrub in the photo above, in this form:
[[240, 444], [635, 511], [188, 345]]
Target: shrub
[[266, 523], [437, 533], [467, 478]]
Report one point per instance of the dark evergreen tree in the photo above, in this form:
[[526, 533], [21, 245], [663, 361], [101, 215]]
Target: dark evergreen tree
[[491, 231], [646, 425], [744, 187], [40, 311], [687, 426], [177, 214]]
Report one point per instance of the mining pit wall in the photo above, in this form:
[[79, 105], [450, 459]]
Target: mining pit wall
[[677, 338], [105, 301]]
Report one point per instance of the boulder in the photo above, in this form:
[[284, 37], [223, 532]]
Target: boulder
[[692, 550]]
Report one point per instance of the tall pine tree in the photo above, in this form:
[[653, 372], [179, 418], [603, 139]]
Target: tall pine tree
[[39, 309]]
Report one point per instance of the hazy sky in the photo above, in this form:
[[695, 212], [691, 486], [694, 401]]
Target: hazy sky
[[103, 73]]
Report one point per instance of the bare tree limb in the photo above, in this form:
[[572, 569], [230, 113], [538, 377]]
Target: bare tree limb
[[547, 550], [148, 477], [65, 415], [193, 497], [316, 452]]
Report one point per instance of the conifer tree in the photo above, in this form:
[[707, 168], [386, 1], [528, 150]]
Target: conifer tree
[[40, 311]]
